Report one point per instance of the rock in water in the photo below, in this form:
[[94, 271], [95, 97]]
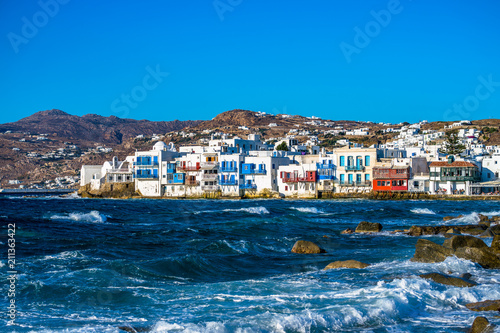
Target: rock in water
[[495, 245], [427, 251], [306, 247], [365, 226], [347, 231], [484, 257], [487, 234], [481, 325], [447, 218], [484, 306], [456, 242], [346, 264], [448, 280], [131, 329], [495, 229]]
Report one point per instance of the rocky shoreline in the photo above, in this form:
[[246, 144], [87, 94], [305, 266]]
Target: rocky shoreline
[[126, 191], [461, 242]]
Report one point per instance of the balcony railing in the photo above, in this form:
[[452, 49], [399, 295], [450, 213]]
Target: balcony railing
[[152, 163], [354, 168], [459, 178], [354, 183], [189, 168], [209, 176], [326, 177], [209, 187], [253, 171], [209, 165], [248, 186], [146, 176], [228, 169], [192, 182], [321, 166], [228, 182], [298, 179]]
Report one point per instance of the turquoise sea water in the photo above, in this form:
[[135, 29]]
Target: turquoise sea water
[[226, 266]]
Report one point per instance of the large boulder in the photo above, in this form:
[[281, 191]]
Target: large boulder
[[347, 231], [495, 245], [495, 229], [481, 325], [448, 280], [484, 306], [427, 251], [306, 247], [483, 256], [346, 264], [458, 241], [448, 218], [365, 226]]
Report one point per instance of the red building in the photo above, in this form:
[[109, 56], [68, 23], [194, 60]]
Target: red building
[[293, 177], [391, 179]]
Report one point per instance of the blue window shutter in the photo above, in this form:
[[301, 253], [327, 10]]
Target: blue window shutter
[[367, 160]]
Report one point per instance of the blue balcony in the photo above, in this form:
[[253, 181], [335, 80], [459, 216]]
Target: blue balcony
[[326, 177], [254, 172], [231, 182], [321, 166], [170, 168], [249, 169], [146, 176], [228, 169], [354, 168], [248, 186], [146, 163]]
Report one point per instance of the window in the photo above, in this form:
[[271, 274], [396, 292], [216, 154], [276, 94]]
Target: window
[[342, 160], [274, 166], [367, 160], [378, 183], [350, 178], [358, 178], [342, 178], [286, 188], [367, 177]]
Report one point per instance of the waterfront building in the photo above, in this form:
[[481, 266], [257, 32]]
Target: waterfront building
[[354, 169], [452, 177], [299, 178]]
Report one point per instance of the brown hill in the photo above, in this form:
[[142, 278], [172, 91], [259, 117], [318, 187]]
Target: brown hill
[[91, 127], [238, 118]]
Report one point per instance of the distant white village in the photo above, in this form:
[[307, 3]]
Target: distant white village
[[413, 162]]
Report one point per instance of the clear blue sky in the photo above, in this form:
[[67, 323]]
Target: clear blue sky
[[296, 57]]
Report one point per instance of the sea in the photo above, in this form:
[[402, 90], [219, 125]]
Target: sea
[[87, 265]]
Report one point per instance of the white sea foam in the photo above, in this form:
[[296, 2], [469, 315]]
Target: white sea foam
[[422, 211], [92, 217], [490, 214], [313, 210], [252, 210], [471, 218]]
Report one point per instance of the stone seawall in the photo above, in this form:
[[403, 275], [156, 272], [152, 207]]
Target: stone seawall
[[127, 191]]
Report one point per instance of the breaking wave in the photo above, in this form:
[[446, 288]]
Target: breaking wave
[[313, 210], [92, 217], [422, 211], [251, 210]]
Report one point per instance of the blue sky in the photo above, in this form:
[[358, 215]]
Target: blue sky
[[164, 60]]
